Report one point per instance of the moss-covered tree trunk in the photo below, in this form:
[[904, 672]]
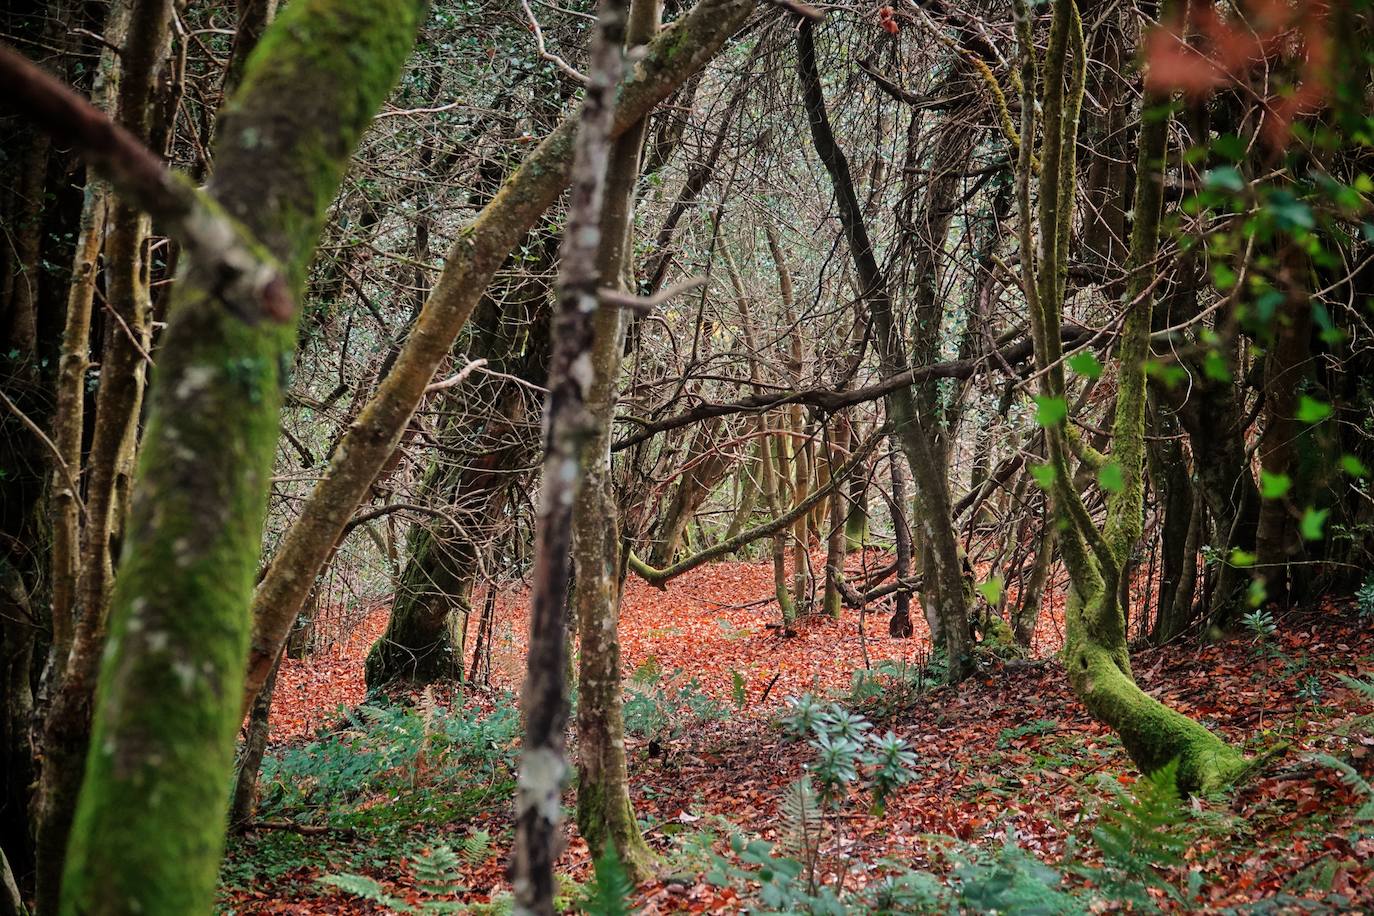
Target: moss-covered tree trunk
[[146, 27], [421, 643], [1095, 650], [149, 825]]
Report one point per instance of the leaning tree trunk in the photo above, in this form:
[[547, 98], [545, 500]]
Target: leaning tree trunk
[[605, 815], [477, 253], [944, 582], [1095, 651], [168, 700]]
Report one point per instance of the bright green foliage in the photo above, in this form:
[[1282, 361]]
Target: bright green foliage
[[1310, 410], [611, 888], [1312, 523], [1274, 486], [1085, 364], [412, 754], [1110, 478], [1050, 411], [1139, 835]]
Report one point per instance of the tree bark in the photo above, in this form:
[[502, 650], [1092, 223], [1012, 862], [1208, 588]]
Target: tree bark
[[167, 704], [945, 591], [474, 258], [605, 813], [570, 428]]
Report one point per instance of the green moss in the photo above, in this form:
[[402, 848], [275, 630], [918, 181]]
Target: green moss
[[149, 829]]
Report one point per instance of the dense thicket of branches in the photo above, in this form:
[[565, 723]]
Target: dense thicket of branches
[[1069, 296]]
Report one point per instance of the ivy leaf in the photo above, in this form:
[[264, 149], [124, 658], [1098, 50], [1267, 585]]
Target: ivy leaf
[[1313, 521], [1111, 478], [991, 590], [1050, 411], [1310, 410], [1044, 475], [1289, 212], [1274, 486], [1085, 364], [1215, 368], [1224, 178]]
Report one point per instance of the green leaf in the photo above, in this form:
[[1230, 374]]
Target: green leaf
[[1109, 476], [1229, 146], [1168, 373], [1050, 411], [1215, 368], [1274, 486], [1242, 558], [1313, 521], [1085, 364], [1257, 593], [1223, 277], [991, 590], [1310, 410], [1044, 475], [1289, 212], [1353, 466], [1224, 178]]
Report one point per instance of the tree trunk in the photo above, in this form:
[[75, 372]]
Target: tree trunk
[[170, 683], [476, 255], [244, 803], [1095, 652], [836, 541], [605, 814], [119, 399], [571, 427], [944, 583]]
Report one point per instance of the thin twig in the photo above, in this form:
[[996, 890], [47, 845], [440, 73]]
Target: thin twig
[[43, 437], [568, 69]]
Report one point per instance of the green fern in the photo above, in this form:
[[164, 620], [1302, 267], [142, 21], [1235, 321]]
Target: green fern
[[366, 888], [801, 821], [1366, 689], [475, 848], [1357, 783], [610, 890], [1140, 834], [439, 872]]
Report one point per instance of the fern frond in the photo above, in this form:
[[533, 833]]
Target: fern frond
[[366, 888], [475, 848], [611, 888], [1141, 833], [1357, 783], [438, 871], [801, 821]]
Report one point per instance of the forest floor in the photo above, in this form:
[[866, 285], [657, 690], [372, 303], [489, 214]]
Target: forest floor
[[1010, 753]]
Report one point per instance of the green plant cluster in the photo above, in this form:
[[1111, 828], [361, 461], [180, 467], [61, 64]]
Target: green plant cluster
[[659, 707], [410, 754]]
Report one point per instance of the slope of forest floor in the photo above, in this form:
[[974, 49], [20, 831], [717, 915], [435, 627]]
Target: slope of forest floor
[[1010, 754]]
